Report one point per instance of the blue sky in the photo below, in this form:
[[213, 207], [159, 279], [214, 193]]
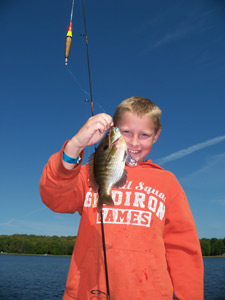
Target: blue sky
[[169, 51]]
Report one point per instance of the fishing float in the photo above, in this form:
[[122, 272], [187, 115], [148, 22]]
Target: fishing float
[[69, 37]]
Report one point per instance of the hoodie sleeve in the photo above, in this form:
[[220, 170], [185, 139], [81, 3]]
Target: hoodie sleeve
[[183, 251], [63, 190]]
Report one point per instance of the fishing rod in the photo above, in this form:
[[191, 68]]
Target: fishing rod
[[88, 60], [92, 112], [67, 51]]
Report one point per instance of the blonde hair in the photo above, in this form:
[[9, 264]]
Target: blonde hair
[[139, 106]]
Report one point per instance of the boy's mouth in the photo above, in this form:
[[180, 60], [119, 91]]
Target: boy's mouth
[[133, 151]]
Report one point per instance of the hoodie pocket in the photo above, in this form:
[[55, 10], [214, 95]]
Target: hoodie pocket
[[86, 275], [160, 276]]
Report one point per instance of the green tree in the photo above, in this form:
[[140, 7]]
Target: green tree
[[217, 246], [205, 246]]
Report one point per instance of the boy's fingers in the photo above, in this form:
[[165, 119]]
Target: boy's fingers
[[102, 122], [93, 130]]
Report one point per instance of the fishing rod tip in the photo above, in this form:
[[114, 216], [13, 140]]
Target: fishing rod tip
[[66, 61]]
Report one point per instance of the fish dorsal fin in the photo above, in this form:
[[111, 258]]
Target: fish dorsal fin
[[122, 180], [92, 181], [130, 160]]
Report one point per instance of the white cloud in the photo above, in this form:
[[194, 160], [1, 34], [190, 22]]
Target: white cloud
[[190, 150], [208, 180], [220, 202], [13, 220], [35, 223], [194, 23], [41, 228], [178, 33]]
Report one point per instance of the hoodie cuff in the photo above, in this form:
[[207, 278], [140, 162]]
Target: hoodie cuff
[[61, 170]]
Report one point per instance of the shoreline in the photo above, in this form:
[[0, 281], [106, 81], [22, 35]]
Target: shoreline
[[65, 255], [30, 254]]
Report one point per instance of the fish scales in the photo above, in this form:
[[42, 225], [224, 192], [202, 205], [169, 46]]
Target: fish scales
[[106, 166]]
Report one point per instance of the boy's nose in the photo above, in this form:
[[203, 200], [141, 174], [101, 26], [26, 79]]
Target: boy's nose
[[134, 141]]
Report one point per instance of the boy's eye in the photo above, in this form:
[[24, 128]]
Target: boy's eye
[[145, 135], [126, 132]]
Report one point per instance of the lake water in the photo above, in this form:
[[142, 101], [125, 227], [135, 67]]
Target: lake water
[[44, 277]]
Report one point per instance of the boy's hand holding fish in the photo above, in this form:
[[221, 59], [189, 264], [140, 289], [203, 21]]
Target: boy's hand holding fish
[[91, 133], [106, 165]]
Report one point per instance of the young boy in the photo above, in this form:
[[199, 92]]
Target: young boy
[[151, 241]]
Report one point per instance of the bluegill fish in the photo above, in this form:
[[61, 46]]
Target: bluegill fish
[[107, 166]]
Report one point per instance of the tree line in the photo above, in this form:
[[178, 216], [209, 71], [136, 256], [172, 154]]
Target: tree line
[[37, 244], [212, 247], [55, 245]]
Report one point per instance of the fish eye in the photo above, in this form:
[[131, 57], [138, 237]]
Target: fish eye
[[105, 147]]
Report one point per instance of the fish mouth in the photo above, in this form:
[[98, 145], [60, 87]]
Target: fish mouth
[[115, 141], [114, 135]]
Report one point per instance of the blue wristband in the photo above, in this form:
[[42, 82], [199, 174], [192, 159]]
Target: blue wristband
[[71, 160]]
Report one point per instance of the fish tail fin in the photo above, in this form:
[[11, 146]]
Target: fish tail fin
[[104, 199]]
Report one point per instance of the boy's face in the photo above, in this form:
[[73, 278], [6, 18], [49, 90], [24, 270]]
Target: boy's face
[[139, 133]]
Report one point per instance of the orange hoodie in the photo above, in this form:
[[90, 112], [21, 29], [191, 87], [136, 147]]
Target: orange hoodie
[[152, 245]]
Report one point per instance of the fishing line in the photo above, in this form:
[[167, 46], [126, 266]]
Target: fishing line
[[71, 15], [99, 105], [75, 79], [98, 292]]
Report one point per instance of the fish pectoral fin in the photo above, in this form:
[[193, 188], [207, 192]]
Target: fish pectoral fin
[[92, 181], [122, 181], [130, 160], [104, 199]]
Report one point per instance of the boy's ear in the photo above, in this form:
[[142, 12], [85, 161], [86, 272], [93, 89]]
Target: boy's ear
[[156, 136]]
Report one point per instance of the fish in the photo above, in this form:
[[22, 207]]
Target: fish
[[107, 166]]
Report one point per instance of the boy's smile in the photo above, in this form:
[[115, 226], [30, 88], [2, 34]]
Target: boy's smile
[[139, 133]]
